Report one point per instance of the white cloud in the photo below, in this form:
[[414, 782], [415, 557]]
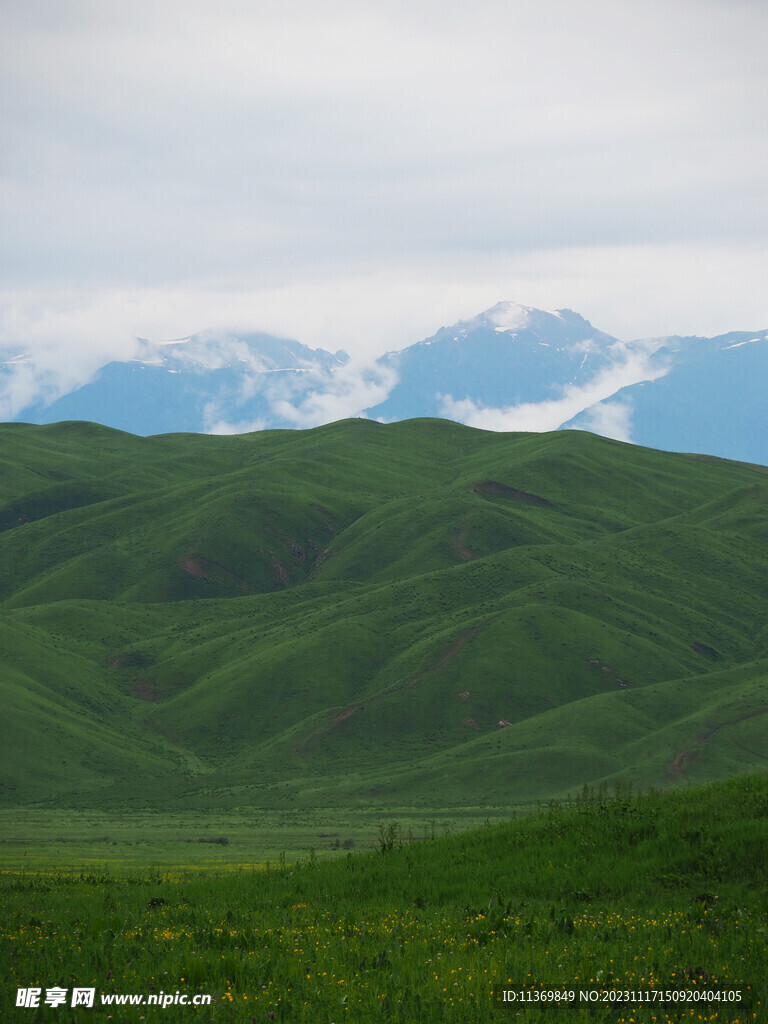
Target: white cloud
[[63, 340], [197, 143], [310, 399], [347, 391], [632, 366], [357, 174], [610, 419], [627, 291], [214, 424]]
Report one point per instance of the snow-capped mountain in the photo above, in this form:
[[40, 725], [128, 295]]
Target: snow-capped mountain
[[511, 367], [507, 356]]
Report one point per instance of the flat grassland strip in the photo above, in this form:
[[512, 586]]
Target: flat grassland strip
[[44, 839], [620, 893]]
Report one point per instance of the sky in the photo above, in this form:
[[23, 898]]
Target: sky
[[358, 174]]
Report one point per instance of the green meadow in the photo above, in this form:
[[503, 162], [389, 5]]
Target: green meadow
[[40, 839], [378, 722], [656, 904]]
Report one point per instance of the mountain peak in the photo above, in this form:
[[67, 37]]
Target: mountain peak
[[508, 316], [512, 316]]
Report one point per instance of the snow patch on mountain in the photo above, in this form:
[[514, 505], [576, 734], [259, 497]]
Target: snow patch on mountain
[[738, 344], [508, 316]]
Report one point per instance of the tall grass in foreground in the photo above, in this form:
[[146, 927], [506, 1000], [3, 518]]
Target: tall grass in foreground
[[631, 892]]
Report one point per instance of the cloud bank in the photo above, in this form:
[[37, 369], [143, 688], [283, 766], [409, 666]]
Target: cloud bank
[[310, 400], [611, 419], [354, 173]]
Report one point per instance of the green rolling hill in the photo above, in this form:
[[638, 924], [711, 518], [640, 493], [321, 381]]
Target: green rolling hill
[[416, 614]]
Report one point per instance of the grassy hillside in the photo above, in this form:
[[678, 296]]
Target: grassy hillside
[[416, 614]]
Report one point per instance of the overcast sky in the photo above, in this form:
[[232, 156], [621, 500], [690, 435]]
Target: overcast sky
[[358, 174]]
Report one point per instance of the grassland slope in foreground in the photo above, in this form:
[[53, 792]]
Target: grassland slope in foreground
[[363, 615], [644, 895]]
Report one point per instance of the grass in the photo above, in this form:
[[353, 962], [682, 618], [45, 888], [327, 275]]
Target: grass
[[373, 616], [612, 891], [371, 722], [42, 839]]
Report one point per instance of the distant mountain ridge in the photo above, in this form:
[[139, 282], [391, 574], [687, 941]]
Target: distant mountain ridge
[[511, 367], [712, 399], [506, 356], [190, 385]]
